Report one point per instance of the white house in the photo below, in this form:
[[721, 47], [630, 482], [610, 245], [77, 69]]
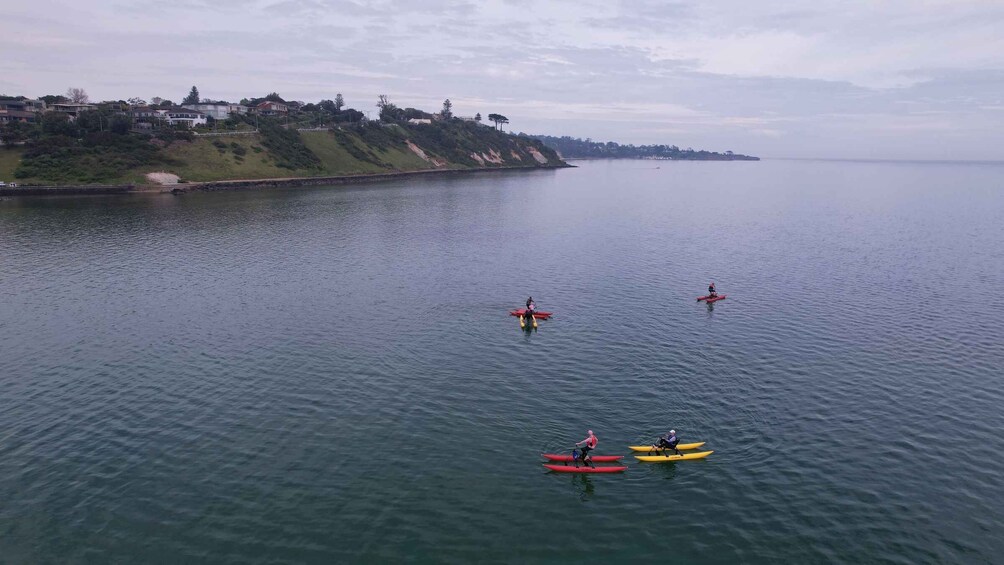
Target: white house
[[419, 121], [218, 110], [189, 118]]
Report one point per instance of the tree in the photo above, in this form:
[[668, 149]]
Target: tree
[[14, 132], [477, 117], [156, 100], [274, 97], [339, 102], [447, 112], [137, 101], [77, 95], [350, 115], [53, 99], [389, 112], [193, 97], [58, 123], [499, 119], [410, 113], [120, 124], [91, 121]]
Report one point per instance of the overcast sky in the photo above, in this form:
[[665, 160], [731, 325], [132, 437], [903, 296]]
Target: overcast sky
[[892, 79]]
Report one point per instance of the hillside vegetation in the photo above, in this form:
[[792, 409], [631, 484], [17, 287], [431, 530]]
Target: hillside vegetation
[[276, 152], [10, 158], [575, 148]]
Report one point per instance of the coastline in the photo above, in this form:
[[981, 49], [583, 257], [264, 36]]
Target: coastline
[[248, 184]]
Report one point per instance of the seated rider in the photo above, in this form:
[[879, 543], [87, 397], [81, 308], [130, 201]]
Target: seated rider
[[531, 307], [667, 442], [588, 445], [711, 290]]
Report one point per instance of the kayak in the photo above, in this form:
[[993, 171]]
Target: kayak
[[681, 447], [584, 469], [670, 458], [540, 315], [594, 458], [710, 300]]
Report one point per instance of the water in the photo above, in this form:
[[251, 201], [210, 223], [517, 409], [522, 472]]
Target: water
[[329, 375]]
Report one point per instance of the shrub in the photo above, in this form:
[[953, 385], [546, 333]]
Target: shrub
[[287, 147]]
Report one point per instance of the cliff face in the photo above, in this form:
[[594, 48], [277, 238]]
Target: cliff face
[[370, 149], [441, 145], [276, 152]]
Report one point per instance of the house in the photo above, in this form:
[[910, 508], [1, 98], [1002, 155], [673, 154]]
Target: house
[[7, 116], [21, 105], [270, 108], [115, 107], [18, 110], [145, 113], [419, 121], [72, 109], [218, 110], [172, 116], [184, 116]]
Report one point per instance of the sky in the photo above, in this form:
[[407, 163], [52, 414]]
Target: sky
[[892, 79]]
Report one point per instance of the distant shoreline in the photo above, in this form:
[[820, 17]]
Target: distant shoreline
[[738, 158], [909, 161], [248, 184]]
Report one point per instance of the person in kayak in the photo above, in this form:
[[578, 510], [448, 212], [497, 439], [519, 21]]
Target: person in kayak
[[667, 442], [711, 290], [588, 445]]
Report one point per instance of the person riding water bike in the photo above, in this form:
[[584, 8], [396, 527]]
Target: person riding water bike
[[588, 445], [667, 442], [711, 290], [531, 307]]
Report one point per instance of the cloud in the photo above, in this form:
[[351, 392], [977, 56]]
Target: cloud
[[752, 77]]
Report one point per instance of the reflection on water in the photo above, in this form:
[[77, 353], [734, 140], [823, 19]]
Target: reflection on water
[[331, 374]]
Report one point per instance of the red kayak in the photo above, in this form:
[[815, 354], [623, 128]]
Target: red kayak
[[709, 299], [584, 469], [594, 458], [538, 315]]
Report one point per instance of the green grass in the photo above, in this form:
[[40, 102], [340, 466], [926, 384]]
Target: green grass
[[200, 160], [351, 151], [337, 160], [9, 159]]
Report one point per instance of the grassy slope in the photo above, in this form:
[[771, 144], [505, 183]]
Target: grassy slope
[[343, 152], [335, 159], [200, 160], [9, 158]]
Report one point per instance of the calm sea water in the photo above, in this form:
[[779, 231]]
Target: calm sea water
[[329, 375]]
